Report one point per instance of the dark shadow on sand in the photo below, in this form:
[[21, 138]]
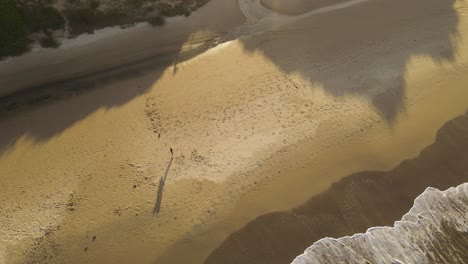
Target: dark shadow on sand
[[374, 51], [352, 205], [157, 206], [15, 108], [349, 54]]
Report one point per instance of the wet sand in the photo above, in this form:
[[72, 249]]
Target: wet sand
[[255, 127], [433, 231], [352, 205]]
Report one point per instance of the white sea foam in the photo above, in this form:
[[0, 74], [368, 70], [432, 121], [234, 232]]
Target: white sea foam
[[435, 230]]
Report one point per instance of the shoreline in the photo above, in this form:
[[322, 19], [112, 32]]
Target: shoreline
[[429, 212], [410, 138], [340, 206]]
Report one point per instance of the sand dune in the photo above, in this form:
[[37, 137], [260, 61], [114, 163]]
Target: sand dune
[[257, 125]]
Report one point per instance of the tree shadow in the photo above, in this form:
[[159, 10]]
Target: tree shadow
[[355, 56], [55, 83], [352, 205], [348, 54]]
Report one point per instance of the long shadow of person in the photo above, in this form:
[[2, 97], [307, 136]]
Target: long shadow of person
[[162, 181]]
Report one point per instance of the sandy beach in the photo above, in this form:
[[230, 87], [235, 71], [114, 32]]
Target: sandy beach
[[294, 123]]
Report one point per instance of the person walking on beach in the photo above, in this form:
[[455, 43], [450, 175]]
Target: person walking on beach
[[172, 152]]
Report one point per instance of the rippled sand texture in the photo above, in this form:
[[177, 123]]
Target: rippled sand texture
[[435, 230]]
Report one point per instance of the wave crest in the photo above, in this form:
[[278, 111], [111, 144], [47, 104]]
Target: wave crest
[[435, 230]]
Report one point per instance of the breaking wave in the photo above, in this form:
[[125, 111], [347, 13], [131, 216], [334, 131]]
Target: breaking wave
[[434, 231]]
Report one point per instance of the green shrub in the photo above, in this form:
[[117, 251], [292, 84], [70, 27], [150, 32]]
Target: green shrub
[[48, 41], [86, 19], [20, 18], [156, 20], [135, 4], [80, 20], [94, 4], [168, 10], [13, 33], [39, 17]]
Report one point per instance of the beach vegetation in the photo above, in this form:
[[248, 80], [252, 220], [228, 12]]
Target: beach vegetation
[[48, 41], [23, 22], [13, 31], [39, 17], [156, 20], [19, 19]]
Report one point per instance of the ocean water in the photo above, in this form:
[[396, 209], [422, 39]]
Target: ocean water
[[435, 230]]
